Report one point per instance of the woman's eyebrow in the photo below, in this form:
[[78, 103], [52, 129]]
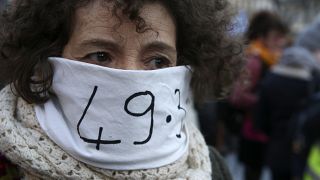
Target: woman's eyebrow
[[101, 43], [160, 46]]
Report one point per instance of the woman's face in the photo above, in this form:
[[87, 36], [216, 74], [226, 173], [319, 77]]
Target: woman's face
[[98, 39], [275, 42]]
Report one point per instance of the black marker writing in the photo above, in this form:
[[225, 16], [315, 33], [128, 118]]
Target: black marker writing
[[180, 108], [150, 108], [97, 141]]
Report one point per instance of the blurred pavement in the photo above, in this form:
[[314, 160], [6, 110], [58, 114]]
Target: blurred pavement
[[237, 169]]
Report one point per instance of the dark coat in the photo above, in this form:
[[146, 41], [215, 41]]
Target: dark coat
[[280, 97]]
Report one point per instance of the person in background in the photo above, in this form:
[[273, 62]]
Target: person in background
[[266, 37], [309, 39], [283, 92], [100, 89]]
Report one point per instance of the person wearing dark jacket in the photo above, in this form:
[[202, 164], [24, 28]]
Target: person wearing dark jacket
[[309, 39], [283, 92]]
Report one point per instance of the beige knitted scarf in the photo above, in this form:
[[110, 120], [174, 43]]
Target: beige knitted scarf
[[25, 144]]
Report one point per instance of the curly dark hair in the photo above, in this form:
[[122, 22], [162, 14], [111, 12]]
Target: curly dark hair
[[264, 22], [33, 30]]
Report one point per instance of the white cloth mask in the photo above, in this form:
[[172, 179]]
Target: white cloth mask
[[117, 119]]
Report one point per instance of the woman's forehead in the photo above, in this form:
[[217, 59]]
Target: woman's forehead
[[98, 19], [106, 12]]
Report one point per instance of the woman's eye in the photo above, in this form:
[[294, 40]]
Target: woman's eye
[[158, 63], [99, 57]]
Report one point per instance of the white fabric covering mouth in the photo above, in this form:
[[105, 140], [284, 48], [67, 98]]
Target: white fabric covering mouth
[[117, 119]]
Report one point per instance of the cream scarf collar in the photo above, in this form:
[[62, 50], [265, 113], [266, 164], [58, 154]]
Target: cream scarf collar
[[25, 144]]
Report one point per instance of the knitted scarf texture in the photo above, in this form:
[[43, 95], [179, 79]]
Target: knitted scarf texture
[[24, 142]]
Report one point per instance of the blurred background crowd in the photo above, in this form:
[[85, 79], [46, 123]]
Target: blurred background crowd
[[272, 115]]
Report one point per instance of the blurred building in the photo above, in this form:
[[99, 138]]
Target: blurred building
[[2, 4], [295, 12]]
